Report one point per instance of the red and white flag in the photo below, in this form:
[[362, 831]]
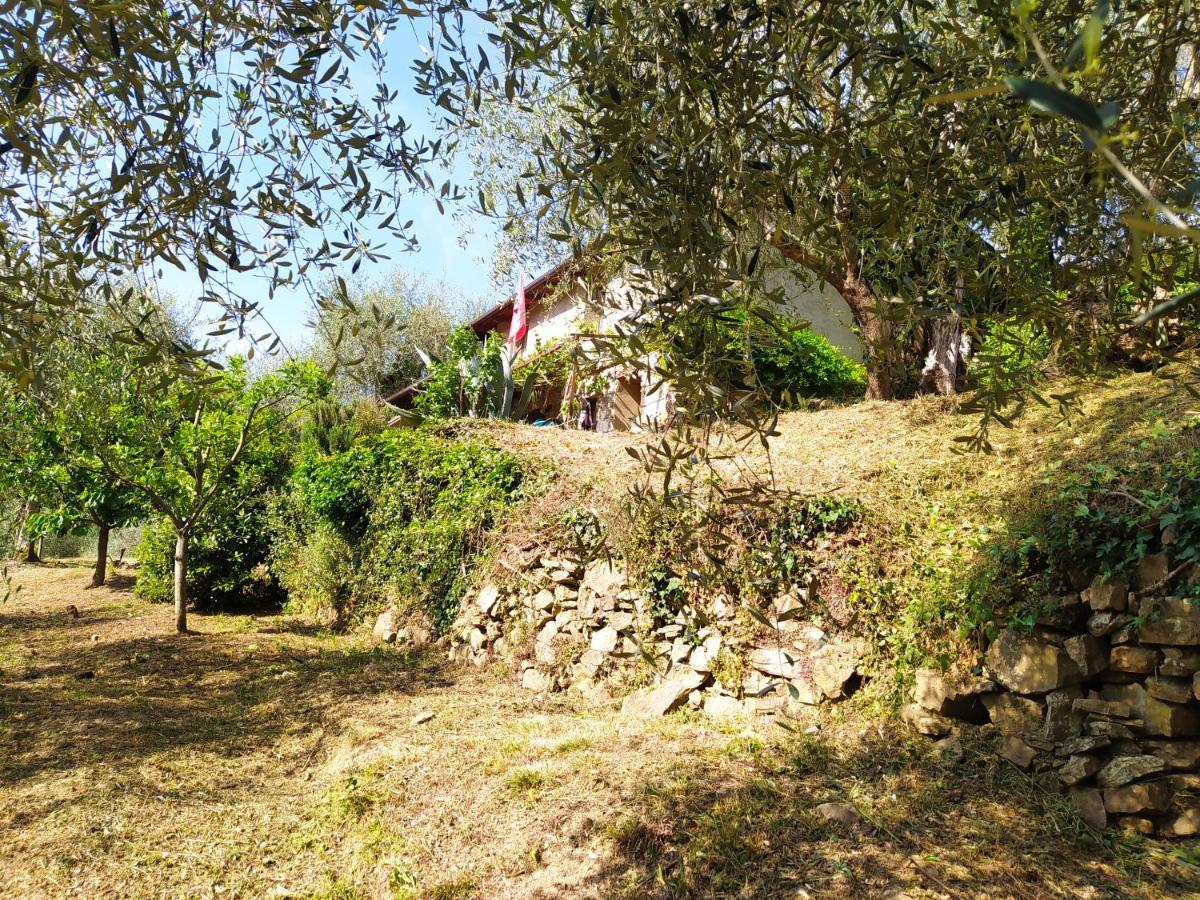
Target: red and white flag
[[520, 320]]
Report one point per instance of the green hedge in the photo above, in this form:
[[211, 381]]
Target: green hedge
[[398, 517]]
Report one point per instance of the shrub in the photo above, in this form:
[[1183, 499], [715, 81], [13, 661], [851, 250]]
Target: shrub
[[797, 363], [397, 517], [1102, 521], [225, 560]]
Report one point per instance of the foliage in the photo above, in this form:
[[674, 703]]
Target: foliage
[[1011, 352], [1102, 521], [895, 151], [397, 517], [373, 338], [231, 543], [794, 362], [468, 381], [218, 138], [48, 462], [688, 553], [330, 426], [201, 453]]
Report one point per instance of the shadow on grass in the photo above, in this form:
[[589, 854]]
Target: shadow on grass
[[973, 827], [120, 702]]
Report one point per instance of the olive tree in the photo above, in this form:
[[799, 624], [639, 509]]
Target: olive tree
[[221, 138], [890, 148]]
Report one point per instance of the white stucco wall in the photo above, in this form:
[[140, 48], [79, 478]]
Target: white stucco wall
[[549, 325], [802, 296], [810, 298]]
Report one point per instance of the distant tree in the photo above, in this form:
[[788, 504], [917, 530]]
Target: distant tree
[[49, 461], [373, 337]]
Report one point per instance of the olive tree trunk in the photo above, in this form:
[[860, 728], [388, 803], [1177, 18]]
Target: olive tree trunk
[[945, 356], [181, 550], [100, 574]]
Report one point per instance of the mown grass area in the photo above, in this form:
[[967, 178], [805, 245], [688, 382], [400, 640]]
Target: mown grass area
[[265, 756]]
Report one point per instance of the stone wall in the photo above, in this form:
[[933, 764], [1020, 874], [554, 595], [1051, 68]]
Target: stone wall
[[1099, 700], [563, 625]]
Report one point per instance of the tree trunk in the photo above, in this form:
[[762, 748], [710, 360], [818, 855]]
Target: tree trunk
[[945, 355], [181, 549], [21, 540], [877, 335], [100, 575]]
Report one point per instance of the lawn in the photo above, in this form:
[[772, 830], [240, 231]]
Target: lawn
[[265, 756]]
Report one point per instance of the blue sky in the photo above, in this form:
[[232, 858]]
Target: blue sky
[[464, 269]]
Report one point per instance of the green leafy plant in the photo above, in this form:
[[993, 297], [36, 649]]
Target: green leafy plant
[[397, 517]]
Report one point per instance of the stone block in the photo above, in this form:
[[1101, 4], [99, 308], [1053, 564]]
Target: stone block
[[1088, 743], [1186, 824], [1012, 714], [1144, 797], [662, 698], [1136, 825], [835, 669], [1128, 658], [1170, 620], [537, 680], [1017, 752], [1079, 769], [1122, 770], [1088, 653], [1112, 730], [926, 721], [775, 661], [1183, 660], [603, 579], [385, 627], [957, 696], [1173, 690], [1151, 570], [1117, 709], [605, 640], [1089, 804], [486, 600], [1182, 756], [1158, 717], [1028, 664], [1105, 622], [722, 706], [1107, 594], [1062, 721]]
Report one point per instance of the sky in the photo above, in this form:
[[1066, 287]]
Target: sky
[[444, 259]]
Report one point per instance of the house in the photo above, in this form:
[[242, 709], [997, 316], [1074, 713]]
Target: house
[[560, 306]]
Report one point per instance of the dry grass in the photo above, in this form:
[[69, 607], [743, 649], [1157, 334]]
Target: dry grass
[[267, 757]]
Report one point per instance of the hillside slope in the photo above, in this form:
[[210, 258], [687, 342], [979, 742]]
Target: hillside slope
[[268, 756]]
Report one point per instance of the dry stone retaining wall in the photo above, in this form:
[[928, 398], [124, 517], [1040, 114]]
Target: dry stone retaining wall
[[565, 625], [1101, 700]]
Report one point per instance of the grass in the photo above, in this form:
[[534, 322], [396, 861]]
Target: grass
[[267, 756], [295, 770]]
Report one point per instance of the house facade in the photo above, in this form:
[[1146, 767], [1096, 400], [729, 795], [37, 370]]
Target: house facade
[[561, 306]]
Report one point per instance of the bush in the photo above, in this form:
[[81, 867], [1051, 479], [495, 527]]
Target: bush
[[396, 518], [1101, 521], [798, 363], [226, 557]]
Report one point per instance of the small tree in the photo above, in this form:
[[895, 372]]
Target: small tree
[[51, 463], [178, 441]]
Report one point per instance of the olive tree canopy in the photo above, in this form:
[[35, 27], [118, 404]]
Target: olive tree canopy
[[223, 137]]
